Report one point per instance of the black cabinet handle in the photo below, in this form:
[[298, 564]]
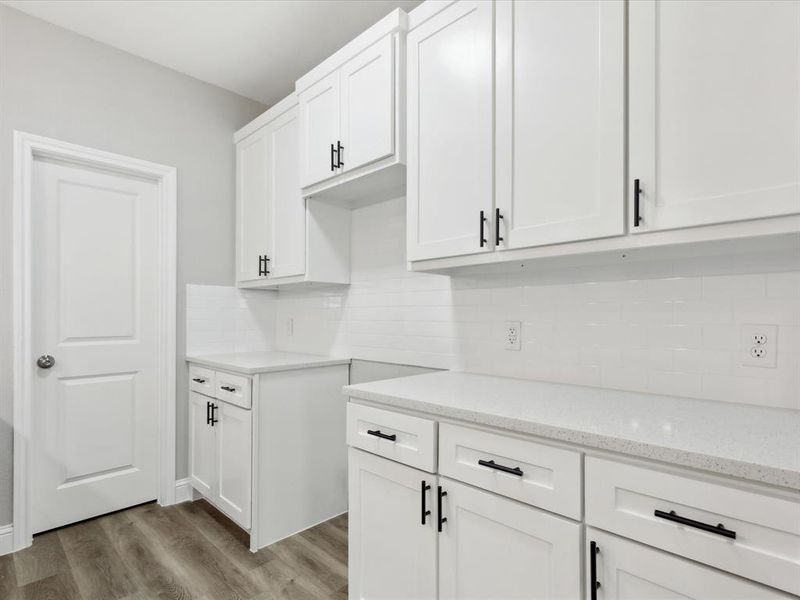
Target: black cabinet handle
[[483, 222], [339, 148], [214, 419], [333, 160], [227, 388], [594, 550], [676, 518], [637, 213], [198, 380], [439, 495], [493, 465], [263, 270], [424, 487], [383, 436], [208, 413], [497, 218]]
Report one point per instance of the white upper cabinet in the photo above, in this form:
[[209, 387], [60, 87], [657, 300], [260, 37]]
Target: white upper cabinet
[[351, 112], [280, 237], [450, 132], [560, 121], [714, 111], [319, 118]]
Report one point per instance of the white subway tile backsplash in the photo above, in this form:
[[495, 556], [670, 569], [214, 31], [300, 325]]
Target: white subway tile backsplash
[[667, 327]]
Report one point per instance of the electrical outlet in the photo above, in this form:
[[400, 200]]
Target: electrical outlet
[[513, 335], [759, 345]]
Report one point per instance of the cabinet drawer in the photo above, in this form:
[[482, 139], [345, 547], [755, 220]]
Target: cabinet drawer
[[532, 473], [201, 380], [234, 389], [761, 535], [406, 439]]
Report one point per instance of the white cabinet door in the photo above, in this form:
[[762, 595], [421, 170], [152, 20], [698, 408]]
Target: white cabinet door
[[630, 571], [392, 553], [288, 218], [450, 132], [368, 93], [714, 111], [560, 121], [252, 203], [493, 547], [202, 445], [319, 130], [234, 443]]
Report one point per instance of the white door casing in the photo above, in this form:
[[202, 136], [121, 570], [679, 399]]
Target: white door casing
[[714, 111], [450, 132], [94, 286], [560, 162]]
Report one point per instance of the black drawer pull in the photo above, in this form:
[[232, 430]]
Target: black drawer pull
[[594, 550], [214, 419], [493, 465], [482, 223], [227, 388], [383, 436], [424, 487], [439, 495], [676, 518], [339, 148], [208, 413], [198, 380], [637, 210]]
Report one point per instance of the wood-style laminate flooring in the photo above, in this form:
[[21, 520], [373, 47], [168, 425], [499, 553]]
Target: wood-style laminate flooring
[[182, 552]]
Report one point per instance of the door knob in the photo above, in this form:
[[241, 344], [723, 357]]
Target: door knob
[[45, 361]]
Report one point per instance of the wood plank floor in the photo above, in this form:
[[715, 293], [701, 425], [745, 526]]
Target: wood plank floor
[[182, 552]]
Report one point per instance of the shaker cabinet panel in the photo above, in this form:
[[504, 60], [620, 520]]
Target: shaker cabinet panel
[[202, 448], [368, 94], [253, 203], [450, 132], [392, 544], [714, 111], [319, 130], [560, 121], [234, 478]]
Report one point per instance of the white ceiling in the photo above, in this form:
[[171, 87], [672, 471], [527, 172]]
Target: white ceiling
[[256, 48]]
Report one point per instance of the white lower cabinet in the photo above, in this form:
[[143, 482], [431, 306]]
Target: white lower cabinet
[[493, 547], [220, 455], [619, 569], [392, 542]]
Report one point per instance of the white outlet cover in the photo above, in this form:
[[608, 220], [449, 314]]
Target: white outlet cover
[[754, 352], [512, 335]]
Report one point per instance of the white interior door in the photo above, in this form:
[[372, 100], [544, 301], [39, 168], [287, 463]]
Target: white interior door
[[233, 428], [630, 571], [288, 219], [450, 131], [392, 554], [253, 203], [202, 444], [493, 547], [319, 128], [560, 121], [95, 302], [368, 105], [714, 110]]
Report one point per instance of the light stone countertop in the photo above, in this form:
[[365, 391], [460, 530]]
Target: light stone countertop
[[750, 442], [250, 363]]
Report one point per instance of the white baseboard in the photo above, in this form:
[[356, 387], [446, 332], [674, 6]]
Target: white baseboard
[[6, 539], [184, 492]]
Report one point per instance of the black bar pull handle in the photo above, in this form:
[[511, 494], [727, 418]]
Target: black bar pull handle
[[497, 218], [263, 270], [227, 388], [676, 518], [339, 148], [214, 419], [383, 436], [424, 487], [439, 495], [198, 380], [333, 160], [483, 222], [594, 550], [493, 465], [208, 413], [637, 211]]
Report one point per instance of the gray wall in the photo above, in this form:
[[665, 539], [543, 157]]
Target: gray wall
[[61, 85]]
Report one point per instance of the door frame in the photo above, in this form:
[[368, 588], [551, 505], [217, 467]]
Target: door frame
[[28, 147]]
